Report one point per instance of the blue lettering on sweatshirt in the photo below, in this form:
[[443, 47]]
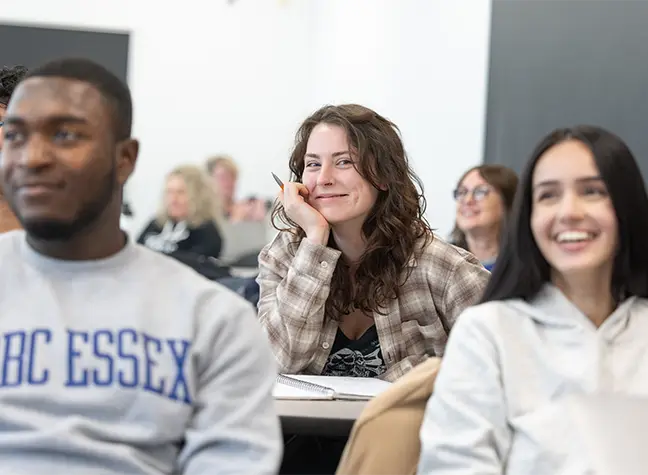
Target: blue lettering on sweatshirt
[[127, 338], [76, 377], [100, 358], [38, 336], [12, 358]]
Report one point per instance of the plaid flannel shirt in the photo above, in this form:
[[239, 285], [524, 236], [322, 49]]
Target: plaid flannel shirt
[[294, 279]]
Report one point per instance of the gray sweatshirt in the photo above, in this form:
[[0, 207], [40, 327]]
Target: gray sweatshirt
[[132, 364], [500, 402]]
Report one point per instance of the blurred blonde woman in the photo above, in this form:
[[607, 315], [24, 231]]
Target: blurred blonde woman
[[189, 216]]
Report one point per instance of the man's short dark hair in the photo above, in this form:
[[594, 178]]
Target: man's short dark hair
[[111, 87], [9, 79]]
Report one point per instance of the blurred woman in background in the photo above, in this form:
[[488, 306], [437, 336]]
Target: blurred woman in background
[[189, 217], [484, 197]]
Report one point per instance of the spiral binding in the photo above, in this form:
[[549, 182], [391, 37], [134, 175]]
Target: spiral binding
[[303, 385]]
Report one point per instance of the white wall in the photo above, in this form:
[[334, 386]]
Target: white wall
[[421, 63], [211, 77]]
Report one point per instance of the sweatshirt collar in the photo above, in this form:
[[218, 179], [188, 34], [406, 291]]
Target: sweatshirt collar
[[551, 307]]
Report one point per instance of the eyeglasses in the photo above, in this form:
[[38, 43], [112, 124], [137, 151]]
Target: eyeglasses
[[478, 193]]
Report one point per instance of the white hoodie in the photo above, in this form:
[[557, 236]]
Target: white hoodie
[[499, 402]]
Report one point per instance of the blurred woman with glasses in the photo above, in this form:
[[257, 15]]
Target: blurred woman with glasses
[[484, 197]]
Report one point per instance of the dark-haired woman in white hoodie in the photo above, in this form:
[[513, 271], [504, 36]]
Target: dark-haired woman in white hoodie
[[564, 315]]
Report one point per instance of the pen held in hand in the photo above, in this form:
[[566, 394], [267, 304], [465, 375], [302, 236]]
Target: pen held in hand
[[279, 182]]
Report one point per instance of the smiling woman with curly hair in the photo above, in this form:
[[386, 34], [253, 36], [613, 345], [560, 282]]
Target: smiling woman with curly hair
[[356, 284]]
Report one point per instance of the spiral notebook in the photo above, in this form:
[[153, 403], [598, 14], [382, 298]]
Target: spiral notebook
[[312, 388]]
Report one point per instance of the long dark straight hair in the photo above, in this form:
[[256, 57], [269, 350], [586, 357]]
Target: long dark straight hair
[[521, 268]]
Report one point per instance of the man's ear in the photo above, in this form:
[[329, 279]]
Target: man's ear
[[127, 152]]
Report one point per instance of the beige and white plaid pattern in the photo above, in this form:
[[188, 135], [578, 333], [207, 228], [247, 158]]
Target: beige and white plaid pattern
[[295, 282]]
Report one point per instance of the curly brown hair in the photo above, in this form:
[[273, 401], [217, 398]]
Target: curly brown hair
[[395, 229]]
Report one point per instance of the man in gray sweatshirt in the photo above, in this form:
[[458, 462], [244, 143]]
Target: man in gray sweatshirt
[[113, 359]]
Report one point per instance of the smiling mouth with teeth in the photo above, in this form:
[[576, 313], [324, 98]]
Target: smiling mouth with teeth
[[469, 212], [574, 236]]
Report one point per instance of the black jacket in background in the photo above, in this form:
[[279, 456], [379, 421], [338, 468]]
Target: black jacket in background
[[204, 240]]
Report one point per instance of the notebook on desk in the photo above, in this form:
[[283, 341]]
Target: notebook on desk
[[327, 388]]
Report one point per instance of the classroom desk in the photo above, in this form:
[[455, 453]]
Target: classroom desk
[[330, 418]]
